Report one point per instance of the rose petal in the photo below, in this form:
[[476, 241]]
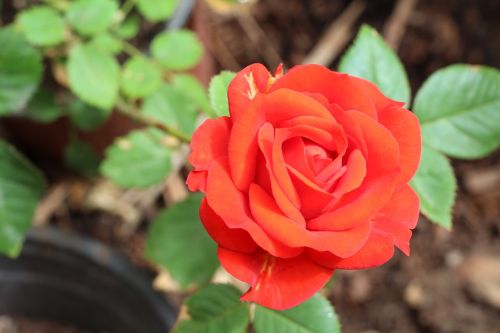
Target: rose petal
[[285, 104], [275, 283], [251, 80], [377, 250], [398, 216], [232, 207], [294, 155], [283, 199], [268, 215], [313, 198], [347, 91], [209, 142], [197, 181], [382, 165], [233, 239], [243, 146], [354, 175], [405, 128]]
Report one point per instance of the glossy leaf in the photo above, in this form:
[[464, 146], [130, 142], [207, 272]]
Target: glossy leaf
[[43, 107], [42, 25], [86, 117], [155, 10], [316, 315], [89, 17], [435, 185], [20, 71], [139, 159], [371, 59], [215, 309], [192, 88], [94, 76], [171, 108], [459, 110], [140, 77], [21, 187], [177, 49], [218, 92], [178, 233], [82, 158]]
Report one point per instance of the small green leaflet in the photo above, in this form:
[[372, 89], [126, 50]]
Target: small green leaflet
[[94, 75], [178, 233], [459, 110], [139, 159], [218, 92], [177, 49], [371, 59], [157, 10], [172, 108], [20, 71], [107, 42], [140, 77], [191, 87], [89, 17], [316, 315], [435, 185], [41, 25], [21, 187], [216, 309]]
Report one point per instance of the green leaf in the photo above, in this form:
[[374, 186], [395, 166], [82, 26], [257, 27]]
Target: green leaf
[[459, 110], [314, 316], [177, 231], [155, 11], [139, 159], [21, 187], [140, 77], [371, 59], [93, 75], [172, 109], [215, 309], [192, 88], [43, 107], [177, 49], [435, 185], [42, 25], [107, 43], [86, 117], [218, 92], [90, 17], [129, 28], [20, 71], [81, 157]]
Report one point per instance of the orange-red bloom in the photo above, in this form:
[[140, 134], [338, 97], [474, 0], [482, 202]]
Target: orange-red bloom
[[308, 174]]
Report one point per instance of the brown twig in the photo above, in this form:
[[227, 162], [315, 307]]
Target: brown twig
[[336, 36], [395, 27]]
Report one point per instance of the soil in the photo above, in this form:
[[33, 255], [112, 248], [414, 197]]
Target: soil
[[451, 281]]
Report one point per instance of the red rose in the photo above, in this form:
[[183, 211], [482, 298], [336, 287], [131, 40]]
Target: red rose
[[308, 174]]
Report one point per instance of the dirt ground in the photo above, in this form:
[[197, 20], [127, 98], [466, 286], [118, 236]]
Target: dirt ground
[[451, 281]]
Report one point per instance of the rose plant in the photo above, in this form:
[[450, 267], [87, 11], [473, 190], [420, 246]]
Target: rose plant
[[303, 172]]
